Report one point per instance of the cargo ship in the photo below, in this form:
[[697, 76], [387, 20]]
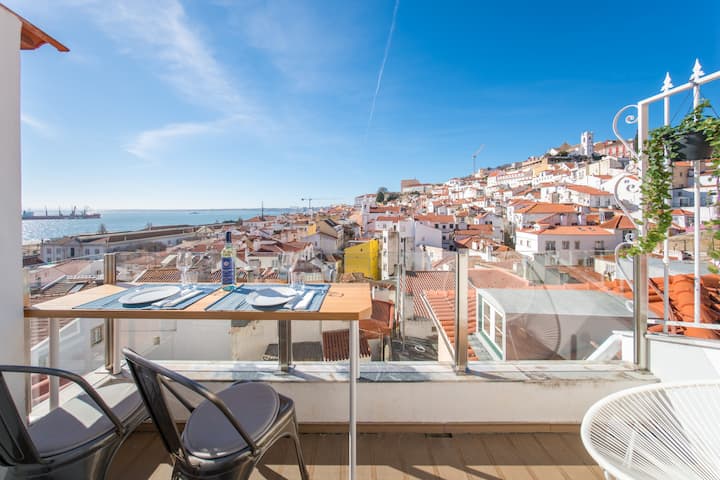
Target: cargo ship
[[73, 215]]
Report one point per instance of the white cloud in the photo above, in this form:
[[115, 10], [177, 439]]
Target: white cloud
[[37, 125], [161, 31], [150, 142]]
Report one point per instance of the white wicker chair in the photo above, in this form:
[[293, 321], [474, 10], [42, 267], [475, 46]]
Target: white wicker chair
[[660, 431]]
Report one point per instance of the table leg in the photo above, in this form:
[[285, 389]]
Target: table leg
[[285, 345], [352, 380]]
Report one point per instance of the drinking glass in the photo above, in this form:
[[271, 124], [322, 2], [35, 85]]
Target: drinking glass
[[297, 281], [287, 261], [183, 261], [191, 276]]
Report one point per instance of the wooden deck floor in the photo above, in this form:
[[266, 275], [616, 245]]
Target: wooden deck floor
[[390, 456]]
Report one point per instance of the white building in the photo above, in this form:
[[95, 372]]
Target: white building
[[570, 245], [59, 249]]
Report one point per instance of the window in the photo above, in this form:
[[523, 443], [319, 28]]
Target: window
[[96, 335], [577, 244], [87, 251], [437, 226], [486, 319], [97, 251], [599, 245], [49, 251], [499, 330], [550, 246], [566, 244]]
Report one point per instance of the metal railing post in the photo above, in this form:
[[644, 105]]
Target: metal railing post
[[112, 326], [640, 293], [54, 360], [697, 197], [461, 311], [285, 357]]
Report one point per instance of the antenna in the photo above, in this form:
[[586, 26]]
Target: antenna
[[474, 156]]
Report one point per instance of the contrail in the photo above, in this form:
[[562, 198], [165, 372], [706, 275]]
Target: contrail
[[382, 65]]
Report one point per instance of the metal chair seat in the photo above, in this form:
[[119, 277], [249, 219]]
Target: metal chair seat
[[80, 421], [208, 434], [227, 434], [77, 440]]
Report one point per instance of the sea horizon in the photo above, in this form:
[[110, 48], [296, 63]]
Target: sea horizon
[[123, 220]]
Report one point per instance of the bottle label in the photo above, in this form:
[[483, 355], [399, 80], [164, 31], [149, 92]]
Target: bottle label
[[227, 271]]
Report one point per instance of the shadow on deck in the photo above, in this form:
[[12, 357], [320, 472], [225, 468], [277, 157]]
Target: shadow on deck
[[390, 456]]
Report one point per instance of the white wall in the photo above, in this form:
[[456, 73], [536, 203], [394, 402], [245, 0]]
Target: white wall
[[463, 400], [674, 359], [11, 315]]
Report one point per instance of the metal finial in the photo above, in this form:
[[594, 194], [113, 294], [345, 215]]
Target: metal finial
[[697, 71], [667, 83]]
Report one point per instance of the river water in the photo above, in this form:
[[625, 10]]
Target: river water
[[126, 220]]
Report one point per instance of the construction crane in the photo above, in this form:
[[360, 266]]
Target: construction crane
[[309, 200], [474, 156]]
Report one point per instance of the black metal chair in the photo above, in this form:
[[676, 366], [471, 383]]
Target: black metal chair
[[77, 440], [227, 434]]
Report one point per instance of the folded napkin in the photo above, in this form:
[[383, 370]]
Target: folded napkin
[[181, 299], [305, 301]]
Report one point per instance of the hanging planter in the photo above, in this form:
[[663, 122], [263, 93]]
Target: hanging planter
[[697, 137], [693, 146]]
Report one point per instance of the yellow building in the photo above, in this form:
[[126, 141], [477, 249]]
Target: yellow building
[[364, 258]]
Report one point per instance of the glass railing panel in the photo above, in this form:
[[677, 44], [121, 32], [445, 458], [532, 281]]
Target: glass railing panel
[[562, 304]]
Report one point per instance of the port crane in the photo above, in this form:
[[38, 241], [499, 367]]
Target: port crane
[[309, 200], [474, 156]]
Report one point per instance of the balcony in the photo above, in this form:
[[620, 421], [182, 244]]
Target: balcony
[[391, 456], [485, 368]]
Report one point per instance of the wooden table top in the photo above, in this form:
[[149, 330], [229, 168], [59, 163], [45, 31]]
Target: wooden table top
[[344, 301]]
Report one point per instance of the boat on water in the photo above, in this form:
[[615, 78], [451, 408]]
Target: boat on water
[[73, 215]]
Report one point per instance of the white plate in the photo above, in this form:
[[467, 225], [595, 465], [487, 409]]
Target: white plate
[[148, 295], [271, 297]]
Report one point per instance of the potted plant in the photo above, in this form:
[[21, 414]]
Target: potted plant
[[696, 137]]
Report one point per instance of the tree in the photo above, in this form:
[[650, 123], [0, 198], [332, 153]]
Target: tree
[[102, 229], [381, 192]]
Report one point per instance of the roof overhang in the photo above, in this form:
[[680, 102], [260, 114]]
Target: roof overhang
[[31, 37]]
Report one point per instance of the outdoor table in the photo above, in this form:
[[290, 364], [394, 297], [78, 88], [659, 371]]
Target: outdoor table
[[344, 301]]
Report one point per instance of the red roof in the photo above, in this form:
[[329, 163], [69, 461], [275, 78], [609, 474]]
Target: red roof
[[570, 230], [442, 304], [388, 218], [547, 208], [588, 190], [682, 304], [31, 37], [618, 222], [680, 211], [435, 218]]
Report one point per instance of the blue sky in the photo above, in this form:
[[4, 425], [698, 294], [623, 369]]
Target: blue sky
[[224, 104]]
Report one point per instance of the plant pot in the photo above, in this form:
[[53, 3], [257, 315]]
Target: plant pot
[[693, 146]]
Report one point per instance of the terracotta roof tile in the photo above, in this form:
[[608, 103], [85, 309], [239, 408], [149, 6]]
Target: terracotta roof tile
[[588, 190], [442, 304], [435, 218], [618, 222], [536, 208], [569, 230]]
